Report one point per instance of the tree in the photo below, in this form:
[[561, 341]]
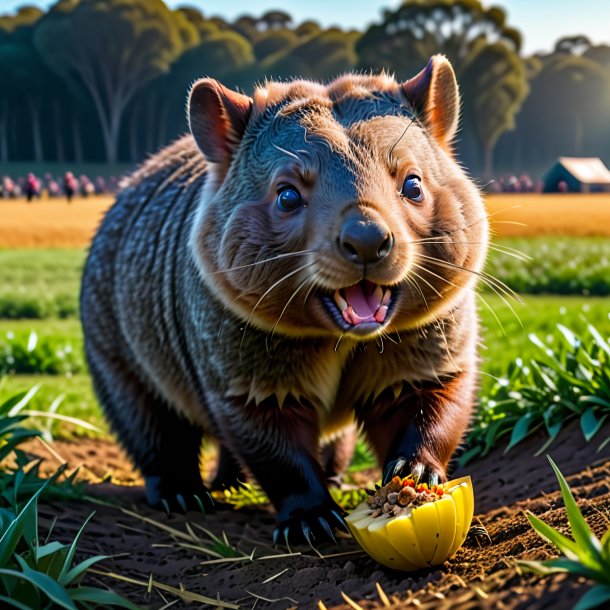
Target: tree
[[73, 38], [320, 57], [567, 111], [499, 78], [474, 39], [27, 74]]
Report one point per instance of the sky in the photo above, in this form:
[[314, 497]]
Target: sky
[[541, 22]]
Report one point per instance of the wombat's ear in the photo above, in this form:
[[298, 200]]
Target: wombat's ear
[[217, 118], [433, 94]]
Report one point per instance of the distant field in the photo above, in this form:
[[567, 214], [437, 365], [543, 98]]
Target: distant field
[[538, 215], [56, 224], [51, 223]]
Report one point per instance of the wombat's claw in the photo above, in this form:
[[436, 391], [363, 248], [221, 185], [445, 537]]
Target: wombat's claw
[[340, 521], [309, 526], [181, 502], [307, 533], [165, 505], [327, 529], [401, 467], [393, 469], [163, 494]]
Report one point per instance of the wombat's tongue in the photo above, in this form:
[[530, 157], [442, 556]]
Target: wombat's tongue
[[363, 302]]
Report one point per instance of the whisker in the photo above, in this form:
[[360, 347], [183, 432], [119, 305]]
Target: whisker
[[496, 285], [274, 285], [382, 348], [428, 283], [482, 274], [338, 341], [267, 260], [402, 135], [476, 222], [493, 313], [413, 282], [311, 288], [440, 277], [508, 250], [294, 294]]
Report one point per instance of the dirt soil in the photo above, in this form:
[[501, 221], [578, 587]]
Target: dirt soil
[[481, 575], [49, 223]]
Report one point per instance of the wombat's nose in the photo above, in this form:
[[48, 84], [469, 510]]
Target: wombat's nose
[[364, 241]]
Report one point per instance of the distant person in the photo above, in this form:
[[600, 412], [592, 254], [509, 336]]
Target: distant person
[[32, 187], [562, 186], [70, 185], [10, 189], [53, 188], [100, 185], [86, 186]]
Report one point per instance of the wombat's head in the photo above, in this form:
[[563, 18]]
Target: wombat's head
[[336, 209]]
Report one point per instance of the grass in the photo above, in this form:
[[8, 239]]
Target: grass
[[539, 315], [44, 284], [40, 283], [36, 573], [558, 265], [506, 339], [569, 377], [585, 555]]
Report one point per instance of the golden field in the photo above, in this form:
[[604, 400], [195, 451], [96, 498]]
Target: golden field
[[57, 224]]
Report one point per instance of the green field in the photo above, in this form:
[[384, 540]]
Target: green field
[[501, 345], [40, 283], [39, 293]]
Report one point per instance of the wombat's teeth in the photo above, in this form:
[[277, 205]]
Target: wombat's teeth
[[378, 292], [341, 302], [381, 313], [386, 298], [349, 315]]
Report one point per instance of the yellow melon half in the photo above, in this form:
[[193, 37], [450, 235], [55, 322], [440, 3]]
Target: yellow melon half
[[427, 537]]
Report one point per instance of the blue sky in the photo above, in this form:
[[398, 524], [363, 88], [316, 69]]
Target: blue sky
[[542, 22]]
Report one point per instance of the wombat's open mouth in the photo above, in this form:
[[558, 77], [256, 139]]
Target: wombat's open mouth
[[363, 303]]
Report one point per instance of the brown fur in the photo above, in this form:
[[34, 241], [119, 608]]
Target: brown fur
[[200, 289]]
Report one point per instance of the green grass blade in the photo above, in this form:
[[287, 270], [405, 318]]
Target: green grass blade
[[568, 547], [70, 556], [43, 583], [583, 535], [15, 403], [80, 568], [101, 597], [590, 423], [520, 430], [65, 418], [599, 340], [606, 547], [17, 528], [596, 597], [576, 567]]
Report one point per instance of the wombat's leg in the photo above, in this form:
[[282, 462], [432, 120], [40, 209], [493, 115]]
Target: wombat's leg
[[163, 445], [280, 447], [228, 472], [336, 455], [418, 432]]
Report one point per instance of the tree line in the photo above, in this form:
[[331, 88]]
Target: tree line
[[93, 80]]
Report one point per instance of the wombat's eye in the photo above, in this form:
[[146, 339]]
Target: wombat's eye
[[411, 188], [289, 199]]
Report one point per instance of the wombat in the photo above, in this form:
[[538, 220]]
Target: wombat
[[303, 261]]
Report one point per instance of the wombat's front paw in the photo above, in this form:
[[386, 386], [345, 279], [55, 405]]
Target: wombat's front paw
[[298, 524], [401, 467], [171, 496]]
